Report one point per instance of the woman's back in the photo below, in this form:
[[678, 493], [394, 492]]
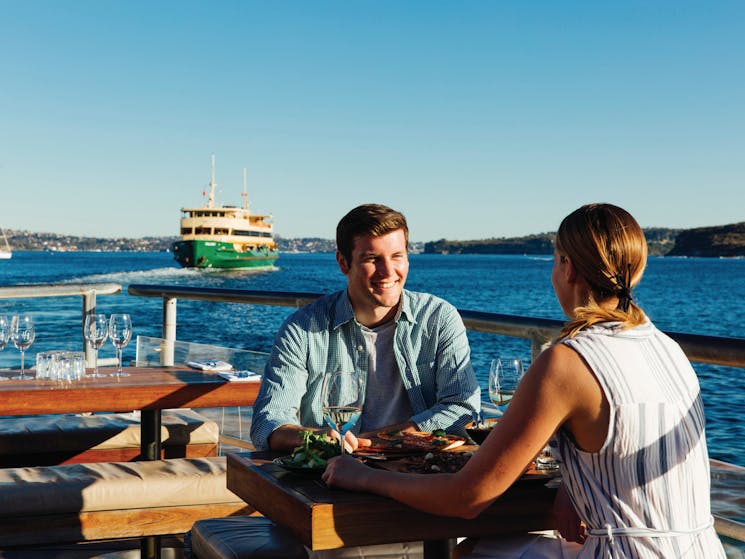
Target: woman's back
[[646, 492]]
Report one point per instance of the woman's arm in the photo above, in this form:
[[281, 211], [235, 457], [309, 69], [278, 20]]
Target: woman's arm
[[555, 389]]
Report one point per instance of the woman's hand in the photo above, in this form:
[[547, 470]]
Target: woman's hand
[[346, 472], [569, 524]]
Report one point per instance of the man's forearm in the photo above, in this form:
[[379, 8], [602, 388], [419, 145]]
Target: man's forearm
[[287, 437]]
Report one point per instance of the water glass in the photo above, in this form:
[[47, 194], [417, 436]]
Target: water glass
[[545, 460], [76, 360], [4, 331], [120, 332], [44, 364]]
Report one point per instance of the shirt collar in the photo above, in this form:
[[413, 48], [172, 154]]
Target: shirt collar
[[344, 312]]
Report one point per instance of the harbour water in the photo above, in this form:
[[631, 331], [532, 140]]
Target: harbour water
[[694, 295]]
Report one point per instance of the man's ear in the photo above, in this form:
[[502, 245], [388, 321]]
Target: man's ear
[[342, 262]]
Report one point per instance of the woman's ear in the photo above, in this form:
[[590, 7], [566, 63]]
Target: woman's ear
[[570, 272]]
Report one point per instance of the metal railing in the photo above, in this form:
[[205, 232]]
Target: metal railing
[[540, 331]]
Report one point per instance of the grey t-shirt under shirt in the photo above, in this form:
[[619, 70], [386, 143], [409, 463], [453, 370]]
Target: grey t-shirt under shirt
[[386, 401]]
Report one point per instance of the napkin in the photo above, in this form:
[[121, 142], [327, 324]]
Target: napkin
[[210, 365], [240, 376]]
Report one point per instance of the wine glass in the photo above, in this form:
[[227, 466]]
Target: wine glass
[[341, 400], [4, 335], [120, 332], [96, 330], [22, 333], [504, 376]]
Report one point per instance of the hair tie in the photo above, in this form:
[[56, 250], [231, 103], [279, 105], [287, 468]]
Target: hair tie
[[624, 289]]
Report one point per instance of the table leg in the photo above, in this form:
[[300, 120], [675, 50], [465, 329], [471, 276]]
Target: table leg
[[150, 547], [437, 549], [150, 434]]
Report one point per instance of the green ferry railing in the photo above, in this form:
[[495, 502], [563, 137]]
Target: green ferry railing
[[539, 331]]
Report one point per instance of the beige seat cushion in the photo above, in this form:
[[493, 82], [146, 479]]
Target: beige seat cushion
[[113, 486], [37, 434]]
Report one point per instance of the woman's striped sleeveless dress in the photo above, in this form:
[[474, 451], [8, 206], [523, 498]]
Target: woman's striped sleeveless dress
[[645, 494]]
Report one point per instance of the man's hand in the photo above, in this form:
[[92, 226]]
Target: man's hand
[[351, 442]]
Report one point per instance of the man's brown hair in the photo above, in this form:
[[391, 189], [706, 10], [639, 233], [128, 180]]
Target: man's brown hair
[[368, 219]]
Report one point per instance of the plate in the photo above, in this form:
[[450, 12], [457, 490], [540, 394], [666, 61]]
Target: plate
[[449, 462], [410, 443]]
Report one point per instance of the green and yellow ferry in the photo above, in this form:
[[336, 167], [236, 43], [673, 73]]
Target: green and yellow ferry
[[225, 237]]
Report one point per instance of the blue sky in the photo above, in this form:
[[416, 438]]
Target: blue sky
[[476, 119]]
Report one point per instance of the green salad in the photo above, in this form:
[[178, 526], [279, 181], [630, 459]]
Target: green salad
[[316, 449]]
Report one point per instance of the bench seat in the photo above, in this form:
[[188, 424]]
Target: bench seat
[[79, 502], [111, 437]]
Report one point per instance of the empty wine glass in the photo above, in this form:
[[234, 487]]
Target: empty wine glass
[[120, 332], [4, 335], [22, 333], [504, 376], [96, 330], [341, 400]]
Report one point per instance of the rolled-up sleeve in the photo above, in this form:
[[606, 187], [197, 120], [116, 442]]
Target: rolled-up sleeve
[[283, 385]]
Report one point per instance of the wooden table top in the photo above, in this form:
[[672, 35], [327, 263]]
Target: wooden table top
[[323, 518], [144, 389]]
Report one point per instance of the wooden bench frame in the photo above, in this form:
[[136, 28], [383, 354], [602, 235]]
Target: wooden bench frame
[[103, 525], [41, 527], [123, 454]]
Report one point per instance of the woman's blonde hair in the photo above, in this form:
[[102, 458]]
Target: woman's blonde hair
[[608, 249]]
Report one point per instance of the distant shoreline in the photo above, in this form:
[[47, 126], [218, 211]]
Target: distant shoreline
[[726, 241]]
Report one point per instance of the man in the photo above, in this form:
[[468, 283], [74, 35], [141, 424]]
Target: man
[[411, 347]]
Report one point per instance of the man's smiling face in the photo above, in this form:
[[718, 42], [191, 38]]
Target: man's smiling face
[[376, 276]]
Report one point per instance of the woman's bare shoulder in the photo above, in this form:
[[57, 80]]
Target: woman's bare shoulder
[[560, 374], [560, 363]]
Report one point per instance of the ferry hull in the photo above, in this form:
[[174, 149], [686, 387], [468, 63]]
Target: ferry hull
[[215, 254]]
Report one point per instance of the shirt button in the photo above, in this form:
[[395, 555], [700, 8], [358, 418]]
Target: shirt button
[[359, 348]]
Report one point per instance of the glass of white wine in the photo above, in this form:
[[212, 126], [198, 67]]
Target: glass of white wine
[[341, 400], [504, 376]]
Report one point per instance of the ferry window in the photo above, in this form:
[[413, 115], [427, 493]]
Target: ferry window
[[202, 231], [219, 231], [187, 230]]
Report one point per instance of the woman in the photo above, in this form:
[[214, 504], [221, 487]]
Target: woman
[[623, 405]]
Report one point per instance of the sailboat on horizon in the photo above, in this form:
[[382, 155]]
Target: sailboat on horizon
[[5, 251]]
